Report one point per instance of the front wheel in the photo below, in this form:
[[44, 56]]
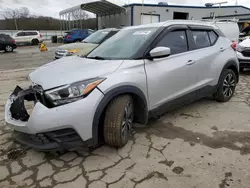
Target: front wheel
[[226, 86], [118, 121]]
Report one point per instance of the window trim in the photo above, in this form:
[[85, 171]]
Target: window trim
[[186, 37], [164, 31]]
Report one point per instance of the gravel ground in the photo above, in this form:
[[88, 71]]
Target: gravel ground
[[202, 145]]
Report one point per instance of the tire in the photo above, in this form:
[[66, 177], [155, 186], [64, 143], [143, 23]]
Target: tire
[[241, 69], [226, 86], [118, 121], [8, 48], [35, 42]]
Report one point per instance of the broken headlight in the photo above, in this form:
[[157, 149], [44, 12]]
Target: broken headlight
[[72, 92]]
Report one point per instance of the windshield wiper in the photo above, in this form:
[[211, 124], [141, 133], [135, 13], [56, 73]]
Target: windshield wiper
[[97, 57]]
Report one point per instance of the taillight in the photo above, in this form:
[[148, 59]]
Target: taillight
[[68, 37], [13, 41], [234, 45], [41, 36]]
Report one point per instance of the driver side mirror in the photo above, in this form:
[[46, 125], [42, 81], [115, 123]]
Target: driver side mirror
[[160, 52]]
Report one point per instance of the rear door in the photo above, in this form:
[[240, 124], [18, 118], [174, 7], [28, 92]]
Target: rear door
[[171, 77], [206, 54], [83, 34]]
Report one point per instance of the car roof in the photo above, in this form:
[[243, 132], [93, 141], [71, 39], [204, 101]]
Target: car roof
[[173, 22]]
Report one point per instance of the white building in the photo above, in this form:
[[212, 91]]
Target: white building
[[111, 15]]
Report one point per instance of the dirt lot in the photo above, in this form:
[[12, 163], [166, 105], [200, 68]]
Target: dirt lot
[[202, 145]]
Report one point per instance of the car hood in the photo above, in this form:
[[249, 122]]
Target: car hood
[[245, 43], [79, 48], [77, 45], [72, 69]]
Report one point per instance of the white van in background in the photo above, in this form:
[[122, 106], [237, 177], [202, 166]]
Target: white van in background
[[230, 28]]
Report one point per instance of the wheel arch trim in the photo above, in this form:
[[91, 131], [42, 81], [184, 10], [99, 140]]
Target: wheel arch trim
[[126, 89], [230, 63]]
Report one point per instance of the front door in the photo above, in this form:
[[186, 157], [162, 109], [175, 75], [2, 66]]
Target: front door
[[171, 77], [20, 37]]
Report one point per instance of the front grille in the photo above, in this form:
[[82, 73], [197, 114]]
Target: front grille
[[246, 53], [63, 135], [66, 138]]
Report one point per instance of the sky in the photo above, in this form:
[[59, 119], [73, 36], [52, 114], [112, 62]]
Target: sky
[[53, 7]]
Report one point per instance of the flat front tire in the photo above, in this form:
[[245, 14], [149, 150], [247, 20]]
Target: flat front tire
[[226, 86], [118, 121]]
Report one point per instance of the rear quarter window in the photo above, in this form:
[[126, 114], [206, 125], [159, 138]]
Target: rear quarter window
[[213, 37]]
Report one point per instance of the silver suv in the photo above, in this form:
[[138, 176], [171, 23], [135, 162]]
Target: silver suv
[[28, 37], [140, 72]]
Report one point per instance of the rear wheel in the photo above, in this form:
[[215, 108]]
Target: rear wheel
[[8, 48], [226, 86], [35, 42], [118, 121]]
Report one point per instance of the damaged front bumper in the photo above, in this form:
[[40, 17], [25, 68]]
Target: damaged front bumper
[[45, 128]]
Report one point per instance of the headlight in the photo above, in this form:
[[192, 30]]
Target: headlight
[[71, 52], [73, 92], [239, 48]]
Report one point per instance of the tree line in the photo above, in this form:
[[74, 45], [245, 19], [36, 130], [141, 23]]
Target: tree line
[[22, 19]]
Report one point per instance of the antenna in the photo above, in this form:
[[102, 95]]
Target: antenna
[[236, 2]]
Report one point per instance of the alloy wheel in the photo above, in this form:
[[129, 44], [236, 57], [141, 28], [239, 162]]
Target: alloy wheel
[[127, 121], [8, 48], [228, 85]]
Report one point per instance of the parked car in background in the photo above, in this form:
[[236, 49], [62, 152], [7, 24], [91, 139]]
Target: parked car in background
[[7, 43], [28, 37], [243, 54], [140, 72], [86, 45], [77, 35], [245, 33]]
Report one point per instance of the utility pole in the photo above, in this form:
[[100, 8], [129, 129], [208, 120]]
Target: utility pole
[[142, 10]]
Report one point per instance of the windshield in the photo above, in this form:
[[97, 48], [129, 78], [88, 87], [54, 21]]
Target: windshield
[[96, 37], [123, 45]]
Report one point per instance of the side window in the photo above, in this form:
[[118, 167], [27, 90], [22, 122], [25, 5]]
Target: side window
[[30, 33], [176, 41], [20, 34], [201, 39], [213, 37]]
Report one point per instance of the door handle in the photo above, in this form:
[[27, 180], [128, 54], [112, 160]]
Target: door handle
[[190, 62], [222, 49]]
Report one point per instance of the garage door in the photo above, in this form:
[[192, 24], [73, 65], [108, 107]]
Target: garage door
[[146, 19]]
